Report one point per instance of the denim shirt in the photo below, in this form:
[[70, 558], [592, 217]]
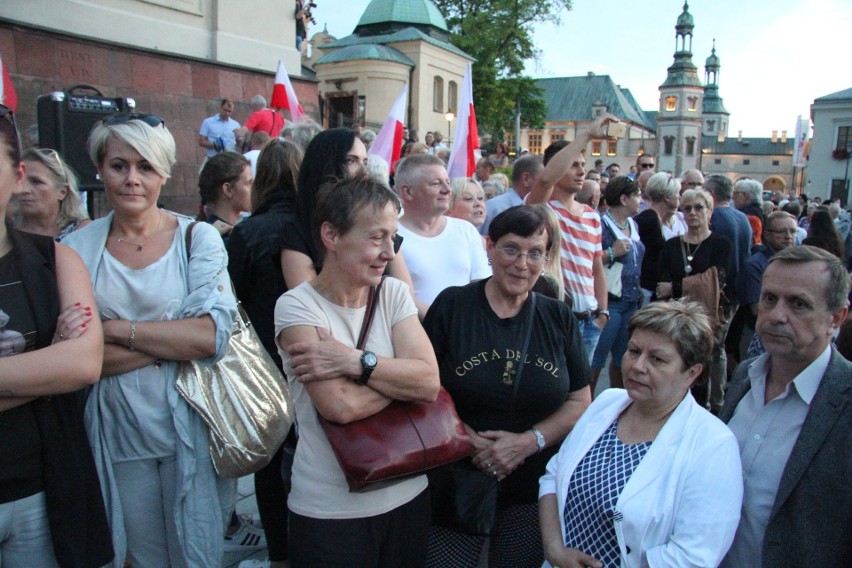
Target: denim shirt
[[632, 261]]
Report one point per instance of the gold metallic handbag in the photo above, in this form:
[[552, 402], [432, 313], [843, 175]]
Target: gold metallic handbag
[[243, 398]]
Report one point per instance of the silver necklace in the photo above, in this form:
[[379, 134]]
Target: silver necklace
[[139, 246]]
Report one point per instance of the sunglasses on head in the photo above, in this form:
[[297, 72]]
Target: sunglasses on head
[[53, 154], [123, 118]]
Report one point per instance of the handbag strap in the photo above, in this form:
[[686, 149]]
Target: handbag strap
[[517, 381], [372, 300]]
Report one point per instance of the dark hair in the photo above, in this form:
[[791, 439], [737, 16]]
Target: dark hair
[[340, 201], [618, 186], [224, 101], [823, 234], [836, 285], [9, 135], [220, 169], [324, 161], [793, 208], [277, 169], [521, 220], [553, 149]]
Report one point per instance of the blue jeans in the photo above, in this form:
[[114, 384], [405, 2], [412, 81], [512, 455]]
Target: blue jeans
[[614, 335], [590, 332], [25, 535]]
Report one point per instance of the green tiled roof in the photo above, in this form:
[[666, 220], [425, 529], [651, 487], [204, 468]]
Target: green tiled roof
[[712, 103], [682, 72], [407, 34], [844, 95], [570, 99], [748, 146], [365, 51], [422, 12]]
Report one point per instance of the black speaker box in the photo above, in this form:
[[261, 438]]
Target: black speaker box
[[65, 119]]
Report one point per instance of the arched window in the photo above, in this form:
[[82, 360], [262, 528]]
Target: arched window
[[453, 97], [438, 94], [671, 103]]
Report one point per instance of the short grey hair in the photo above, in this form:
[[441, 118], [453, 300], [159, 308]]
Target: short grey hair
[[154, 143], [697, 195], [721, 187], [752, 188], [258, 101], [304, 131], [662, 186], [409, 170], [836, 287]]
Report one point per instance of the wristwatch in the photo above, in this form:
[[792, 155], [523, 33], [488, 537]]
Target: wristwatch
[[604, 313], [368, 363], [539, 439]]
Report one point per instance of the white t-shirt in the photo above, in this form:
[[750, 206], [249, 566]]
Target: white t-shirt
[[319, 487], [454, 258]]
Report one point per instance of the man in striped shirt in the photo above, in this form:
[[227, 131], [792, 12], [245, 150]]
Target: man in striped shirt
[[582, 262]]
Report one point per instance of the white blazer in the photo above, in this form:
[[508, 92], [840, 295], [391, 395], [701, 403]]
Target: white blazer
[[681, 506]]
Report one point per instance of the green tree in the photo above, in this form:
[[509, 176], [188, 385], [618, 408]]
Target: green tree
[[498, 34]]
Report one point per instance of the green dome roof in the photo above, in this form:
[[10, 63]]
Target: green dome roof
[[365, 51], [685, 20], [414, 12], [713, 61]]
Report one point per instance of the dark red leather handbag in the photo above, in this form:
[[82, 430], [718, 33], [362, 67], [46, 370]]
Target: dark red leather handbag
[[405, 438]]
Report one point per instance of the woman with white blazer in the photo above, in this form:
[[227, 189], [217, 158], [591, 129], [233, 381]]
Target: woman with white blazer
[[647, 477]]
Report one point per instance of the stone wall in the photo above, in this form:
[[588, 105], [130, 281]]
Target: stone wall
[[182, 91]]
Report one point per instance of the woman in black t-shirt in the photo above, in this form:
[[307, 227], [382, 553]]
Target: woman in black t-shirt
[[51, 507], [478, 333]]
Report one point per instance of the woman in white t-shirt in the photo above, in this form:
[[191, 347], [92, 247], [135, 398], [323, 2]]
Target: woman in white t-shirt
[[317, 325]]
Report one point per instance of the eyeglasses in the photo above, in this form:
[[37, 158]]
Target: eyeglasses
[[647, 166], [791, 232], [690, 208], [123, 118], [512, 254], [693, 184]]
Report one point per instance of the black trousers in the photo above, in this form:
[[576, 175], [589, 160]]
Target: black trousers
[[394, 539]]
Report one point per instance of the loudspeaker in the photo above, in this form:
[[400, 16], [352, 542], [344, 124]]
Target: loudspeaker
[[65, 119]]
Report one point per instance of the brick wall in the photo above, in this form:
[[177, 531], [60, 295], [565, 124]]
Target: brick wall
[[182, 91]]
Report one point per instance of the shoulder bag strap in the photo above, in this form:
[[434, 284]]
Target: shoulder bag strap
[[517, 381], [372, 300], [188, 238]]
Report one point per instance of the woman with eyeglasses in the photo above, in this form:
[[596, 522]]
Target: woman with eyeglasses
[[692, 254], [517, 403], [49, 203], [51, 348], [656, 225], [160, 304]]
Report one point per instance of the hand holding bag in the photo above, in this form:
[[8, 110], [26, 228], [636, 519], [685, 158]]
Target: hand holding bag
[[403, 439], [243, 398]]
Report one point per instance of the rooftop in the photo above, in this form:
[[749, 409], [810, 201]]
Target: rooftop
[[748, 146], [571, 99]]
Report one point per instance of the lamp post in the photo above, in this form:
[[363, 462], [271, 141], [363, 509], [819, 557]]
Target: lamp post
[[450, 117]]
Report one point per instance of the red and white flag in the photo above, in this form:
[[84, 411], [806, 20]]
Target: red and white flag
[[388, 144], [283, 95], [465, 149], [8, 96]]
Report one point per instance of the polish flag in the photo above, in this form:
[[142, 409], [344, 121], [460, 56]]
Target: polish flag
[[283, 95], [465, 151], [8, 96], [388, 144]]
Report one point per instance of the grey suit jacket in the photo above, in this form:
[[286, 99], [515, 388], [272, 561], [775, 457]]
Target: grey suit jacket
[[811, 520]]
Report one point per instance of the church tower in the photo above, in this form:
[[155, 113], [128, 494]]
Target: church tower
[[715, 116], [679, 122]]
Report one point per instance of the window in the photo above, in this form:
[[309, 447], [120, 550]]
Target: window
[[844, 136], [611, 147], [668, 145], [690, 146], [453, 97], [556, 136], [598, 112], [693, 103], [711, 124], [510, 142], [746, 162], [535, 143], [838, 191], [717, 161], [776, 163], [671, 103], [596, 147], [438, 94]]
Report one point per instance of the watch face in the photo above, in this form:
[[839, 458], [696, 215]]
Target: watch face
[[370, 359]]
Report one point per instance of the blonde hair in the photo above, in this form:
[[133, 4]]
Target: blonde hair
[[458, 185], [697, 195], [71, 208], [154, 143], [553, 266]]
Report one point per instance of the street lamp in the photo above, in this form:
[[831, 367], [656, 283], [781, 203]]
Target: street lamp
[[450, 117]]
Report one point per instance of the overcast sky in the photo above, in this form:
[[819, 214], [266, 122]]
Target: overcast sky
[[777, 55]]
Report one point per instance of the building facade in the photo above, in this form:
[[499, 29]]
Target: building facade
[[828, 173]]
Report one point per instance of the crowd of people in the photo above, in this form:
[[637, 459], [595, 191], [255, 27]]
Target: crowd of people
[[698, 454]]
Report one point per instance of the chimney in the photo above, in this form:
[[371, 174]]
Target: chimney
[[740, 136], [783, 136], [774, 136], [590, 74]]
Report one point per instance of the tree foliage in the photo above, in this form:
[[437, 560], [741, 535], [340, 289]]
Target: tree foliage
[[498, 34]]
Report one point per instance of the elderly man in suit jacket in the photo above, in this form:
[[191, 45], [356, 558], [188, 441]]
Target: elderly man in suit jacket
[[791, 411]]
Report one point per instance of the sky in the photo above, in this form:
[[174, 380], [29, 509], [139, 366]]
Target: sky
[[777, 56]]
